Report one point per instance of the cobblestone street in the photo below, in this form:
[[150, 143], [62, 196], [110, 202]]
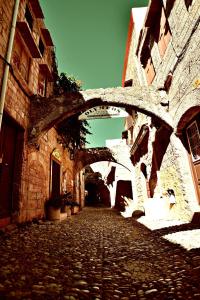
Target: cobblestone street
[[95, 255]]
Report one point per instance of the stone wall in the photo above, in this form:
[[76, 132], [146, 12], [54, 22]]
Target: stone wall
[[6, 8], [37, 172], [181, 60], [181, 57]]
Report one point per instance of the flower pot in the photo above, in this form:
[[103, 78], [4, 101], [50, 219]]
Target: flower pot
[[66, 209], [75, 210], [53, 214], [69, 212]]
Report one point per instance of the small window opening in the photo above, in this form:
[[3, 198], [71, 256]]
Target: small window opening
[[128, 83], [41, 47], [29, 18]]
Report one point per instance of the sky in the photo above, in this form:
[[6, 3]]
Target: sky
[[90, 41]]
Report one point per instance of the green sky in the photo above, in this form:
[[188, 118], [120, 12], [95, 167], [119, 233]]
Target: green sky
[[90, 39]]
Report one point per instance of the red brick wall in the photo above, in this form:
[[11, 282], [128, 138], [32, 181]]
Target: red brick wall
[[36, 178], [6, 8], [35, 170]]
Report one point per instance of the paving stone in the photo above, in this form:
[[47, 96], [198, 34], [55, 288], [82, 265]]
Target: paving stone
[[151, 291], [99, 255]]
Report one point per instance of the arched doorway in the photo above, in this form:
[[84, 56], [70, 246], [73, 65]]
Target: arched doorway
[[188, 129]]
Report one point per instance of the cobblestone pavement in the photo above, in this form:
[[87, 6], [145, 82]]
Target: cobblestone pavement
[[95, 255]]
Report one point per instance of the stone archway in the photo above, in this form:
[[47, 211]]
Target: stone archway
[[186, 117], [89, 156], [119, 156], [46, 113]]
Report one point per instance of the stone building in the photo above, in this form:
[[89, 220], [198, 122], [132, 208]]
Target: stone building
[[163, 52], [30, 173]]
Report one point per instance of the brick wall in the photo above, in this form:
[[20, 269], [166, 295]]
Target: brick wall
[[37, 177], [6, 8], [32, 185]]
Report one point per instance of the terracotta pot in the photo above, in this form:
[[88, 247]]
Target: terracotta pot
[[66, 209], [53, 214], [75, 210], [69, 212]]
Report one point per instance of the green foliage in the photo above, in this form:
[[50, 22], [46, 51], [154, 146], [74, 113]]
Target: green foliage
[[55, 202], [63, 83], [66, 84], [72, 133], [59, 201]]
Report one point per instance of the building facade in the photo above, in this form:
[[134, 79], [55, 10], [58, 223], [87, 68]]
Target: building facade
[[163, 52], [30, 173]]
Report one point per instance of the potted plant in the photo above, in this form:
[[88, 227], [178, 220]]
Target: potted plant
[[66, 203], [75, 207], [53, 208]]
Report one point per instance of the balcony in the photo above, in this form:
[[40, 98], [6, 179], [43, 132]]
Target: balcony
[[140, 146], [47, 37], [45, 64], [28, 39], [21, 67], [36, 9], [44, 68], [153, 12]]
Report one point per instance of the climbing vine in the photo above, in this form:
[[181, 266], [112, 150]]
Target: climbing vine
[[72, 131]]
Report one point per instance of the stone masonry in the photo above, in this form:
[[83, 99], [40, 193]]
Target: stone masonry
[[143, 99], [180, 65]]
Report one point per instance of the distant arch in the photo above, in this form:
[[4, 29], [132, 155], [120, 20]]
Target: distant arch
[[89, 156]]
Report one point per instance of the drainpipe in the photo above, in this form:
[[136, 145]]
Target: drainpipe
[[8, 59]]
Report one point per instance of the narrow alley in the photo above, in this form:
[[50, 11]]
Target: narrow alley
[[96, 254]]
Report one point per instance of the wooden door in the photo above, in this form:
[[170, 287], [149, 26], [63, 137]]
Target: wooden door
[[8, 142], [55, 182], [196, 167], [124, 188], [193, 136]]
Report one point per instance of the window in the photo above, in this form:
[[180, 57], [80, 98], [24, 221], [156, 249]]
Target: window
[[169, 7], [21, 60], [164, 34], [128, 83], [130, 135], [41, 47], [188, 3], [150, 71], [29, 18], [193, 136], [125, 134], [42, 84]]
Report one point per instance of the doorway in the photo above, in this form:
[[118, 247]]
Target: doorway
[[124, 188], [193, 138], [55, 178], [11, 145]]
